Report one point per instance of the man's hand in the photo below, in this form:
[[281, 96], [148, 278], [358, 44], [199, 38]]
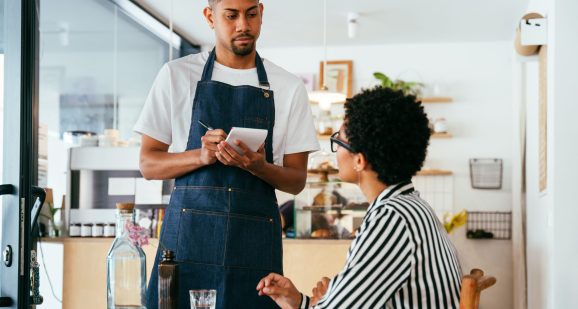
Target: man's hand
[[249, 161], [210, 142], [281, 290], [319, 290]]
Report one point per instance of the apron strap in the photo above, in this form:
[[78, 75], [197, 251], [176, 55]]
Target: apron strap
[[208, 70], [263, 81]]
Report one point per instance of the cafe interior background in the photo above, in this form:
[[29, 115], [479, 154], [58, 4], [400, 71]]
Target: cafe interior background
[[503, 149]]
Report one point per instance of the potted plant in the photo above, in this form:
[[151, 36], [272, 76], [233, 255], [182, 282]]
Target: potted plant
[[51, 215], [412, 88]]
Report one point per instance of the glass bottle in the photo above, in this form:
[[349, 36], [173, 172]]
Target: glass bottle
[[168, 281], [125, 266]]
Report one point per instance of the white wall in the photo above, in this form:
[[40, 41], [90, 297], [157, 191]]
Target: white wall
[[479, 78], [537, 204], [565, 154], [552, 236], [1, 130]]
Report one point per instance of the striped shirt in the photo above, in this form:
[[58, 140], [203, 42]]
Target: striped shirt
[[401, 258]]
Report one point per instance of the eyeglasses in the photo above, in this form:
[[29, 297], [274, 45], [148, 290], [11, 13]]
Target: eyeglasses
[[335, 140]]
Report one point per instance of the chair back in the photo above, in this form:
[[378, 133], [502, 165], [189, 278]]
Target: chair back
[[472, 285]]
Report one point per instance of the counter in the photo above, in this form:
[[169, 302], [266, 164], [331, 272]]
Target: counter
[[84, 266]]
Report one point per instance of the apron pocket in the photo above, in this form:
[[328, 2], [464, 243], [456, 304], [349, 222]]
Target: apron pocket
[[201, 237], [250, 242]]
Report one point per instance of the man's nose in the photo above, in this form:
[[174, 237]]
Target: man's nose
[[242, 24]]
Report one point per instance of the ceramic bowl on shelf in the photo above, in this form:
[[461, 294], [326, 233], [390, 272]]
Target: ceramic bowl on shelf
[[440, 125]]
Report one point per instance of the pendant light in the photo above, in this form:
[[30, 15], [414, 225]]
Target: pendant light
[[323, 96]]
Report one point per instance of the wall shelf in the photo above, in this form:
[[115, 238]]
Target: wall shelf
[[442, 135], [436, 99], [434, 172]]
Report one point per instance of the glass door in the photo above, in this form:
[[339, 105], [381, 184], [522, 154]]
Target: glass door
[[19, 168]]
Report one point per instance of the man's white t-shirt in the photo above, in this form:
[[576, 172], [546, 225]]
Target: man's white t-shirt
[[166, 115]]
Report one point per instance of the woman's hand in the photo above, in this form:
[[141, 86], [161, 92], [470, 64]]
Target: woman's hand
[[319, 290], [249, 161], [281, 290], [209, 145]]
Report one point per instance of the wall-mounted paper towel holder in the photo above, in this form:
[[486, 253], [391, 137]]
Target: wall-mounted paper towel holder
[[534, 31]]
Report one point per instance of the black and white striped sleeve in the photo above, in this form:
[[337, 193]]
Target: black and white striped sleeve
[[379, 264]]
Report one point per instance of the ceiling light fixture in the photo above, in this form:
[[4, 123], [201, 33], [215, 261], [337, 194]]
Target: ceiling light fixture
[[323, 96], [352, 24]]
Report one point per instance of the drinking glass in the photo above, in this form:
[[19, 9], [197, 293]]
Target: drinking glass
[[203, 299]]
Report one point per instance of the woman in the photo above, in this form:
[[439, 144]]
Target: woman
[[401, 256]]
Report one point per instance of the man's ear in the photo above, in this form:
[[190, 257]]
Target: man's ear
[[262, 8], [209, 17]]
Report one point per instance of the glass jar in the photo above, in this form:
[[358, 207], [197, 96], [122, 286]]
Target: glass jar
[[125, 266], [74, 230], [86, 230], [98, 230], [109, 230]]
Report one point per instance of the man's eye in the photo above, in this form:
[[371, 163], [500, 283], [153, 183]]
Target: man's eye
[[252, 15], [231, 16]]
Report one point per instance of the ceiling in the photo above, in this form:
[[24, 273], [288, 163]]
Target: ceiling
[[300, 22]]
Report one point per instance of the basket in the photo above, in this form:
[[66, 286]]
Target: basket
[[486, 173], [489, 225]]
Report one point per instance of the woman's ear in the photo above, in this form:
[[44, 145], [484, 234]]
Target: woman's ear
[[360, 162]]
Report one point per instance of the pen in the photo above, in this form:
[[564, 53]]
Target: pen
[[206, 126]]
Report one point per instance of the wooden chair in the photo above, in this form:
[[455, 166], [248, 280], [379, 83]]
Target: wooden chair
[[472, 285]]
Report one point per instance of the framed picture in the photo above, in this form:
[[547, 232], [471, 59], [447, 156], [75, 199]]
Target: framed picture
[[308, 80], [339, 76]]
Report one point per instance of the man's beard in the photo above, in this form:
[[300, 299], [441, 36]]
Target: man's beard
[[243, 50]]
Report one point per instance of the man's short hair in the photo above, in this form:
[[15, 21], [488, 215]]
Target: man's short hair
[[213, 2], [391, 130]]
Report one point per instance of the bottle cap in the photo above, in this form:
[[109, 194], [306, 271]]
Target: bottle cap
[[168, 255]]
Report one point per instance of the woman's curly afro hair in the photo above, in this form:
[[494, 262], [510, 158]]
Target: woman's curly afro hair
[[391, 129]]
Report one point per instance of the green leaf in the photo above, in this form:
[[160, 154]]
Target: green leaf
[[386, 82], [380, 76]]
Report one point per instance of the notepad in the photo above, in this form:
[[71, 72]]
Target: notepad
[[253, 138]]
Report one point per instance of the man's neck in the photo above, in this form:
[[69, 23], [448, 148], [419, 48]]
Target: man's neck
[[229, 59]]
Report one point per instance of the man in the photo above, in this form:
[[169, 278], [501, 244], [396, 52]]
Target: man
[[223, 220], [402, 256]]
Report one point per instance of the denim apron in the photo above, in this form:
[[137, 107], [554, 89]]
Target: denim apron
[[223, 222]]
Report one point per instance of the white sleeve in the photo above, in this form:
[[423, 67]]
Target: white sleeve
[[155, 117], [301, 134]]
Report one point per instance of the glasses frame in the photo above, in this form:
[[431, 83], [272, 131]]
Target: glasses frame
[[334, 140]]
